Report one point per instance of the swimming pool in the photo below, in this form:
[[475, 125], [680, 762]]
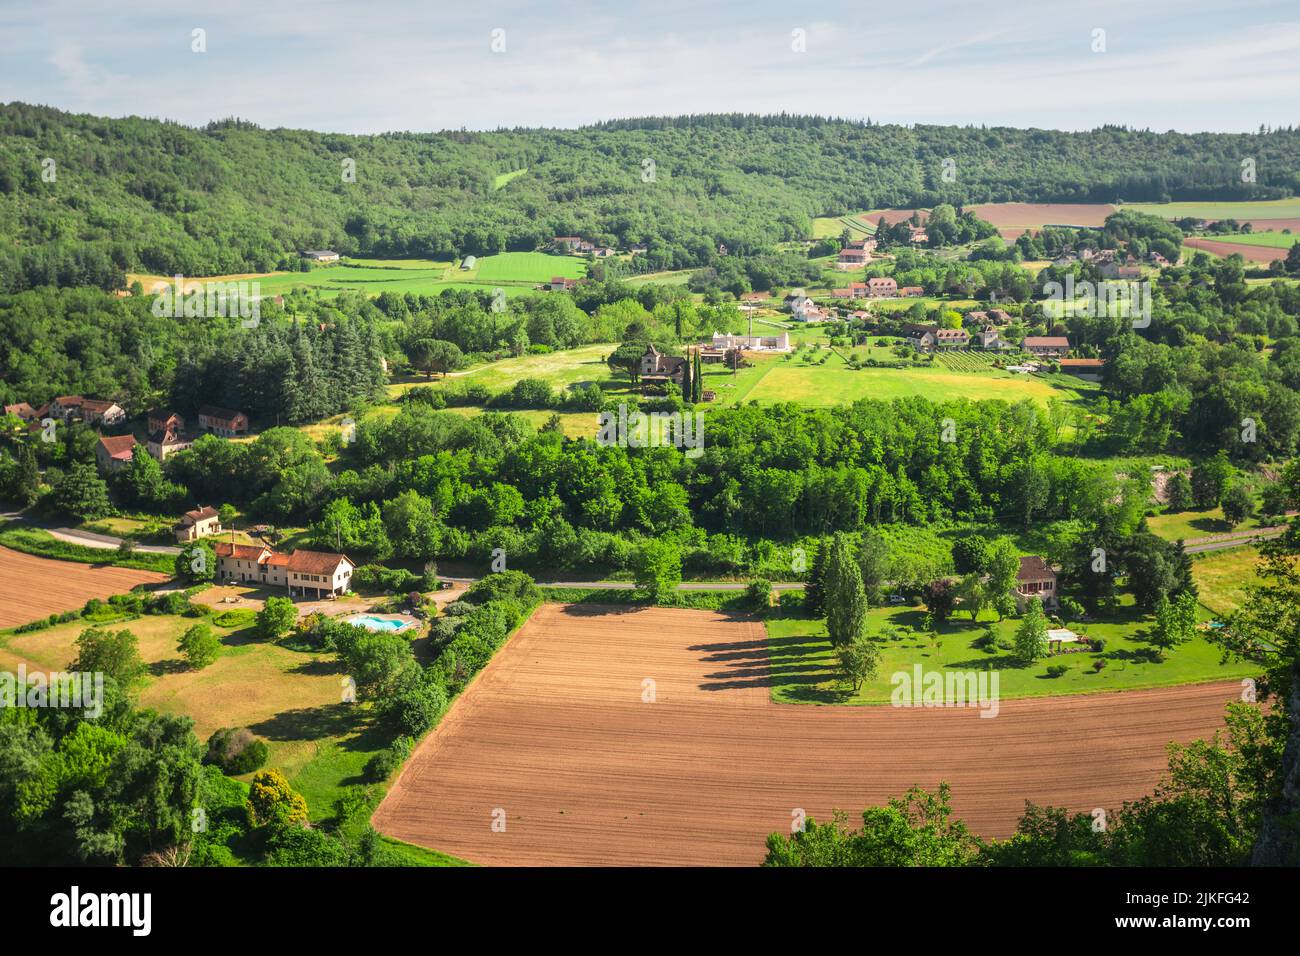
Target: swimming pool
[[372, 623]]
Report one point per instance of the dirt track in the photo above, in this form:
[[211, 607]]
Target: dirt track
[[555, 733], [35, 587]]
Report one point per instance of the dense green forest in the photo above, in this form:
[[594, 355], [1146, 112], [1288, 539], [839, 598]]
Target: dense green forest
[[138, 194]]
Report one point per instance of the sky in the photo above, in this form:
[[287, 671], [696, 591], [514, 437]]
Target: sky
[[368, 66]]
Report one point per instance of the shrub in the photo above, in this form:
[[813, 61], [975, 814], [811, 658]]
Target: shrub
[[199, 646], [272, 802], [235, 750], [376, 577], [383, 764], [758, 594], [1056, 670], [417, 708]]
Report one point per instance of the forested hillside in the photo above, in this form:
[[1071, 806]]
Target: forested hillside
[[136, 194]]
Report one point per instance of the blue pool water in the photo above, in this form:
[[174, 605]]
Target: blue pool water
[[372, 623]]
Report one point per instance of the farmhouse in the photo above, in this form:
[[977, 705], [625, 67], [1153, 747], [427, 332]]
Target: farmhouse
[[1000, 316], [162, 419], [89, 410], [166, 441], [951, 338], [855, 290], [563, 284], [1113, 270], [911, 291], [920, 337], [852, 258], [469, 262], [638, 250], [988, 338], [567, 243], [1035, 579], [867, 245], [321, 255], [319, 572], [23, 411], [1088, 369], [196, 524], [113, 453], [658, 368], [752, 343], [1046, 346], [882, 286], [222, 421]]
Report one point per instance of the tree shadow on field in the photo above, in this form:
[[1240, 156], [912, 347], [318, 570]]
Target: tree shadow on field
[[175, 665], [309, 723], [601, 610]]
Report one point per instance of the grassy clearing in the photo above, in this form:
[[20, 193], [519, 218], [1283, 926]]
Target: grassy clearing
[[500, 179], [834, 383], [1222, 577], [516, 272], [1190, 525], [289, 698], [1271, 240], [560, 369], [804, 669], [530, 267], [1267, 209]]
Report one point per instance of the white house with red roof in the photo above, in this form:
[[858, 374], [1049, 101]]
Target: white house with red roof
[[310, 574]]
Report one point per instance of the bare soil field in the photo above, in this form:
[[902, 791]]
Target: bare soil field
[[556, 738], [37, 587], [1264, 254], [1014, 218]]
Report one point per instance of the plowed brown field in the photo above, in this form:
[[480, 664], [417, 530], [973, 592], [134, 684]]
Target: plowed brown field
[[1264, 254], [32, 587], [1014, 218], [556, 735]]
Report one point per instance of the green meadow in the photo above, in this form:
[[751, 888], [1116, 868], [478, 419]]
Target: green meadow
[[804, 667], [515, 273], [1266, 209], [1269, 240]]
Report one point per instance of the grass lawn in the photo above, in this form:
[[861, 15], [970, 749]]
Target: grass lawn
[[1266, 209], [515, 272], [804, 667], [560, 369], [530, 267], [1222, 577], [500, 179], [831, 227], [1190, 525], [834, 383], [290, 698], [1272, 240]]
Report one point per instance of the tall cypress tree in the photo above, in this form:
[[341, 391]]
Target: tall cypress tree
[[843, 595]]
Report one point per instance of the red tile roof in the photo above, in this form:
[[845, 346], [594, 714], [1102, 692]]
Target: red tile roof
[[245, 552], [118, 446], [1034, 568]]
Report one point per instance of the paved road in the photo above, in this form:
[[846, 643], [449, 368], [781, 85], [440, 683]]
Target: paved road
[[87, 538]]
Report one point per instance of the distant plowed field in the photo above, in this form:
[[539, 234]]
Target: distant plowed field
[[555, 738], [1014, 218], [32, 587], [1263, 254]]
